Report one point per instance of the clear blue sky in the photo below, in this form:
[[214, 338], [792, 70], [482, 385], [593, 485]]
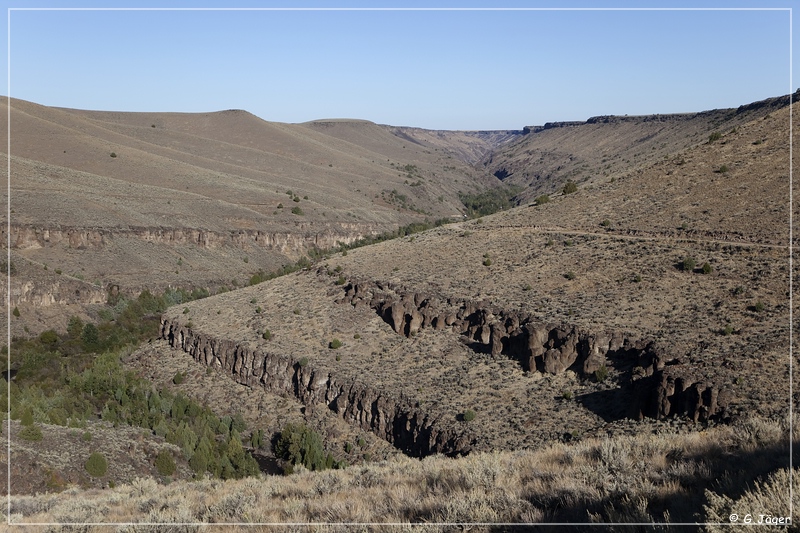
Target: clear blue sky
[[432, 69]]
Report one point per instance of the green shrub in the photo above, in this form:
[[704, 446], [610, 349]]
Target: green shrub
[[569, 187], [178, 378], [688, 264], [469, 415], [707, 268], [487, 262], [714, 137], [31, 433], [299, 444], [759, 306], [303, 362], [341, 280], [489, 201], [96, 465], [605, 223], [165, 464], [257, 438], [723, 169], [567, 395], [335, 344], [113, 154], [27, 417], [86, 436], [543, 199], [297, 211], [15, 312], [266, 335], [601, 373], [8, 267], [90, 337], [570, 275]]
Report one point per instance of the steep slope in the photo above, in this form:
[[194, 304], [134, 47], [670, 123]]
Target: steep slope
[[544, 322], [466, 146], [546, 157], [155, 199]]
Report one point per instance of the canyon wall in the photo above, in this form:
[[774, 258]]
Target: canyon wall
[[397, 420], [660, 385], [305, 237]]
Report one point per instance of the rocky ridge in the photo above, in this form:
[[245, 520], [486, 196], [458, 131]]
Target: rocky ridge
[[591, 151], [655, 384], [552, 348], [397, 420]]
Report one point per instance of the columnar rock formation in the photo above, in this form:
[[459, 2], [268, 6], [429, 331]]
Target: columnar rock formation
[[399, 421], [662, 386], [658, 387]]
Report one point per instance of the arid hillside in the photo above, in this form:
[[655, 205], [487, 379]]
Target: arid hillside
[[135, 200], [543, 159], [659, 295], [616, 352]]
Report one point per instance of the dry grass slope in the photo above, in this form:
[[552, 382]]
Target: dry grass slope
[[646, 478]]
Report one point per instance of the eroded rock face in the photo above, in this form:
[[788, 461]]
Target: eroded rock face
[[395, 420], [660, 386], [661, 391], [320, 237]]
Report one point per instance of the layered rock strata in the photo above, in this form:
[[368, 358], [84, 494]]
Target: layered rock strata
[[31, 236]]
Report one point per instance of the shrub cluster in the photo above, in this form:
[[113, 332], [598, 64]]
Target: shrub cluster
[[490, 201], [59, 381], [299, 445], [570, 187]]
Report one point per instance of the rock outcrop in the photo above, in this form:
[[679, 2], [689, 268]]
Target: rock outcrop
[[68, 291], [659, 386], [663, 387], [399, 421], [304, 238]]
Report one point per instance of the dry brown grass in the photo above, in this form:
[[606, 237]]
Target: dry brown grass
[[639, 478], [192, 199], [593, 153]]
